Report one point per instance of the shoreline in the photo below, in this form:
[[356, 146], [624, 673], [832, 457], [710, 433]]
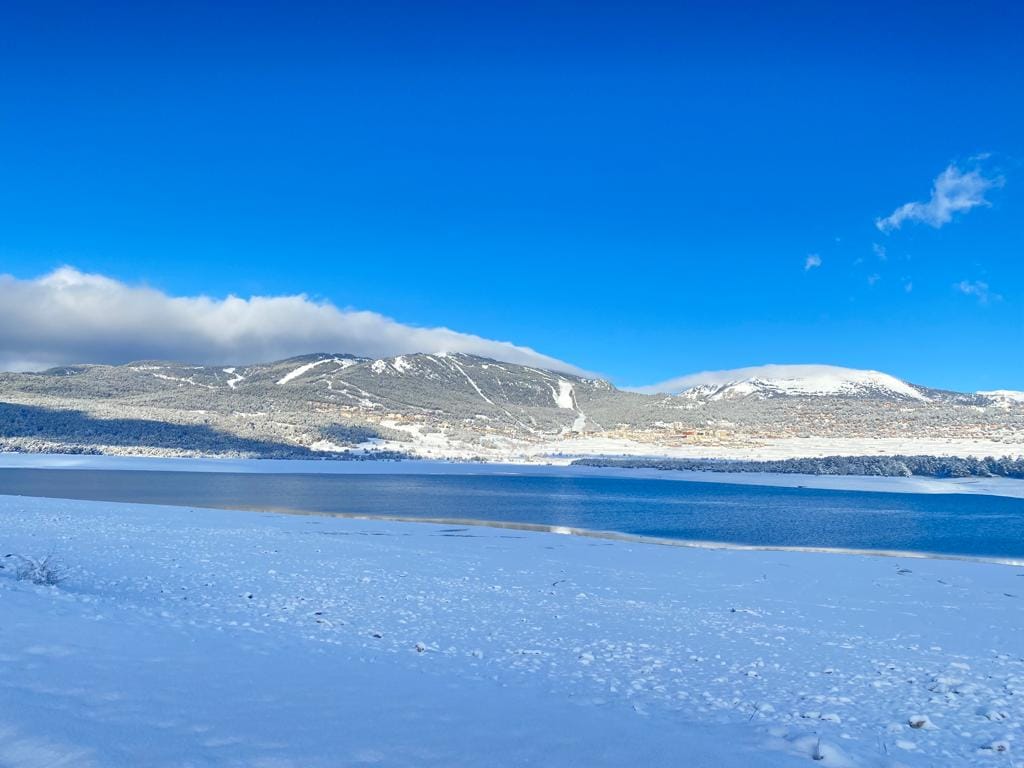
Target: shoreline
[[551, 528], [628, 538], [988, 486]]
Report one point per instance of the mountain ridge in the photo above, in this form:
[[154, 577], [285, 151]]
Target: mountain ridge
[[807, 380], [465, 406]]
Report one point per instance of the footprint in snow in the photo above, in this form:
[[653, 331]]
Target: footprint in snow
[[921, 722]]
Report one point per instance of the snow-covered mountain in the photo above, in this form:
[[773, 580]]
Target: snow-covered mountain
[[797, 381], [1005, 397], [468, 406]]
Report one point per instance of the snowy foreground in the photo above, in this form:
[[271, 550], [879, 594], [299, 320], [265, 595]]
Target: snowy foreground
[[189, 637]]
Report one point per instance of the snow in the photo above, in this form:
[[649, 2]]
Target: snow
[[294, 374], [429, 444], [1006, 395], [733, 389], [235, 377], [326, 446], [202, 637], [564, 396], [787, 379], [767, 448], [460, 369], [178, 379], [579, 422], [401, 364], [364, 401]]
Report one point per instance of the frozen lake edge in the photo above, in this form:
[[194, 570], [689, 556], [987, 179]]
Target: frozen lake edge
[[994, 486]]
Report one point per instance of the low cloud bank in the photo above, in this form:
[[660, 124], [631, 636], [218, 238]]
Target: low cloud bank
[[68, 316]]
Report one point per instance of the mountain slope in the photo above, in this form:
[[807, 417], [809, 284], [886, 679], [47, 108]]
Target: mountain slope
[[464, 406]]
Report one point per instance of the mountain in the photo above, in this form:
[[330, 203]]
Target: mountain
[[1005, 397], [801, 381], [464, 406]]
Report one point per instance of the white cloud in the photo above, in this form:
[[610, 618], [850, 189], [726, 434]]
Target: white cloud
[[953, 191], [813, 260], [979, 289], [69, 316], [880, 251]]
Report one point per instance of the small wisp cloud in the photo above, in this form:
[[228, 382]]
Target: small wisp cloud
[[953, 191], [979, 289], [69, 316]]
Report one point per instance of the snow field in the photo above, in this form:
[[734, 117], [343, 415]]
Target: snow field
[[201, 637]]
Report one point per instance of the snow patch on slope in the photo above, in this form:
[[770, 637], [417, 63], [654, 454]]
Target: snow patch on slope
[[179, 379], [292, 375], [563, 398], [469, 379], [235, 377]]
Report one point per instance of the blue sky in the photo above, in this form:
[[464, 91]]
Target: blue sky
[[635, 189]]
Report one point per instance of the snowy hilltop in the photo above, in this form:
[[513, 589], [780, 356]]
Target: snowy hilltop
[[795, 381], [1007, 397]]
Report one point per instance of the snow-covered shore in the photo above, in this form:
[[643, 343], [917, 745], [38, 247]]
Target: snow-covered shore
[[203, 637], [994, 486]]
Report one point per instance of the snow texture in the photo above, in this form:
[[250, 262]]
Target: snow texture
[[202, 637]]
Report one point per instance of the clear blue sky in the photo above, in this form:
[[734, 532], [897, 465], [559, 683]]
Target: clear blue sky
[[633, 188]]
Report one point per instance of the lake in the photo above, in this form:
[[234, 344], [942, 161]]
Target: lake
[[952, 524]]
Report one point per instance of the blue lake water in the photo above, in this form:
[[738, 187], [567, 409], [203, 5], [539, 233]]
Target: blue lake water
[[953, 524]]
